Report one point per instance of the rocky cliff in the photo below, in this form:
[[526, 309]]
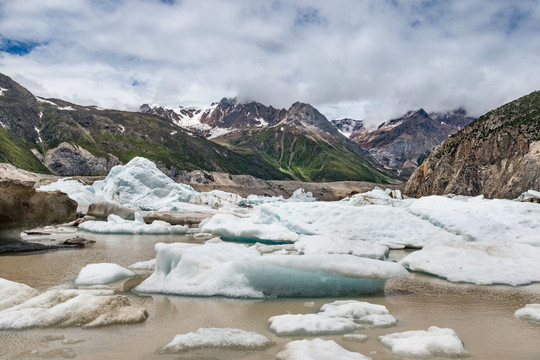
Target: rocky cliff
[[498, 155]]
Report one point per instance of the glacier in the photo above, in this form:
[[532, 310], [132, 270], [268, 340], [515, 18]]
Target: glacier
[[235, 270]]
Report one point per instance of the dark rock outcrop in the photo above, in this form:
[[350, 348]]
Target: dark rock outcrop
[[67, 159], [498, 156], [21, 206]]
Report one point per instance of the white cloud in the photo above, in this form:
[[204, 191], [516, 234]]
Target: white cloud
[[364, 59]]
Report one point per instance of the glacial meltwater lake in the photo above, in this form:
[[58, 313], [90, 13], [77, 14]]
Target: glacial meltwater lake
[[482, 316]]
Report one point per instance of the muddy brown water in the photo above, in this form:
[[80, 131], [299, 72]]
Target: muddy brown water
[[483, 317]]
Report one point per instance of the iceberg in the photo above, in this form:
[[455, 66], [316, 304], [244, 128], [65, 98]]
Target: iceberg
[[116, 225], [70, 308], [327, 244], [102, 274], [14, 293], [433, 342], [530, 312], [334, 318], [478, 219], [83, 194], [481, 263], [377, 196], [232, 227], [299, 195], [234, 270], [216, 338], [317, 349]]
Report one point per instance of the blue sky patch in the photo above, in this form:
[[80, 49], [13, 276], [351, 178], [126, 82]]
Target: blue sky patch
[[17, 47]]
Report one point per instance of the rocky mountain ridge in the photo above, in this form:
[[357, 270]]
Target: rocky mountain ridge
[[402, 144], [498, 155]]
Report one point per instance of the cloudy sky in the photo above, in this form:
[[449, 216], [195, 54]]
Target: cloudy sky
[[370, 60]]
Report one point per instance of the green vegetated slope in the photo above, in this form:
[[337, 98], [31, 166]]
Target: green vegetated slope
[[16, 151], [308, 158], [130, 134]]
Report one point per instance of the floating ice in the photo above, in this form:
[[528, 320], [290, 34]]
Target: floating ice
[[83, 194], [363, 312], [235, 270], [101, 274], [393, 227], [14, 293], [116, 225], [70, 308], [217, 338], [377, 196], [530, 312], [299, 195], [334, 244], [243, 229], [433, 342], [355, 337], [334, 318], [310, 324], [478, 219], [478, 263], [143, 265], [317, 349]]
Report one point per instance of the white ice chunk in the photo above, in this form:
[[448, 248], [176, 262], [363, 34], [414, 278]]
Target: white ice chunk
[[393, 227], [310, 324], [478, 263], [433, 342], [70, 308], [317, 349], [142, 185], [217, 338], [530, 312], [478, 219], [101, 274], [83, 194], [243, 229], [235, 270], [355, 337], [334, 244], [116, 225], [299, 195], [217, 199], [143, 265], [363, 312], [377, 196], [14, 293]]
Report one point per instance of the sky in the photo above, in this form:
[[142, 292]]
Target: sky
[[371, 60]]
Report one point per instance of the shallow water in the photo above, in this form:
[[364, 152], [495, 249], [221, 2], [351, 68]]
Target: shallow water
[[483, 317]]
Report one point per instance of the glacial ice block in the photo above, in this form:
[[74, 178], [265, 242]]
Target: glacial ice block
[[234, 270], [14, 293], [480, 263], [216, 338], [335, 244], [317, 349], [101, 274], [68, 308], [117, 225], [433, 342], [530, 312], [83, 194]]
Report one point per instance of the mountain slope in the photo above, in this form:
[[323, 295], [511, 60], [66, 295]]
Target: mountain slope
[[308, 147], [79, 140], [402, 144], [498, 155]]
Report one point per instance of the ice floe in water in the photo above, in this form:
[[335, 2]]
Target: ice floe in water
[[216, 338], [243, 229], [317, 349], [69, 308], [530, 312], [83, 194], [101, 274], [334, 318], [116, 225], [478, 263], [334, 244], [234, 270], [299, 195], [478, 219], [433, 342], [14, 293]]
